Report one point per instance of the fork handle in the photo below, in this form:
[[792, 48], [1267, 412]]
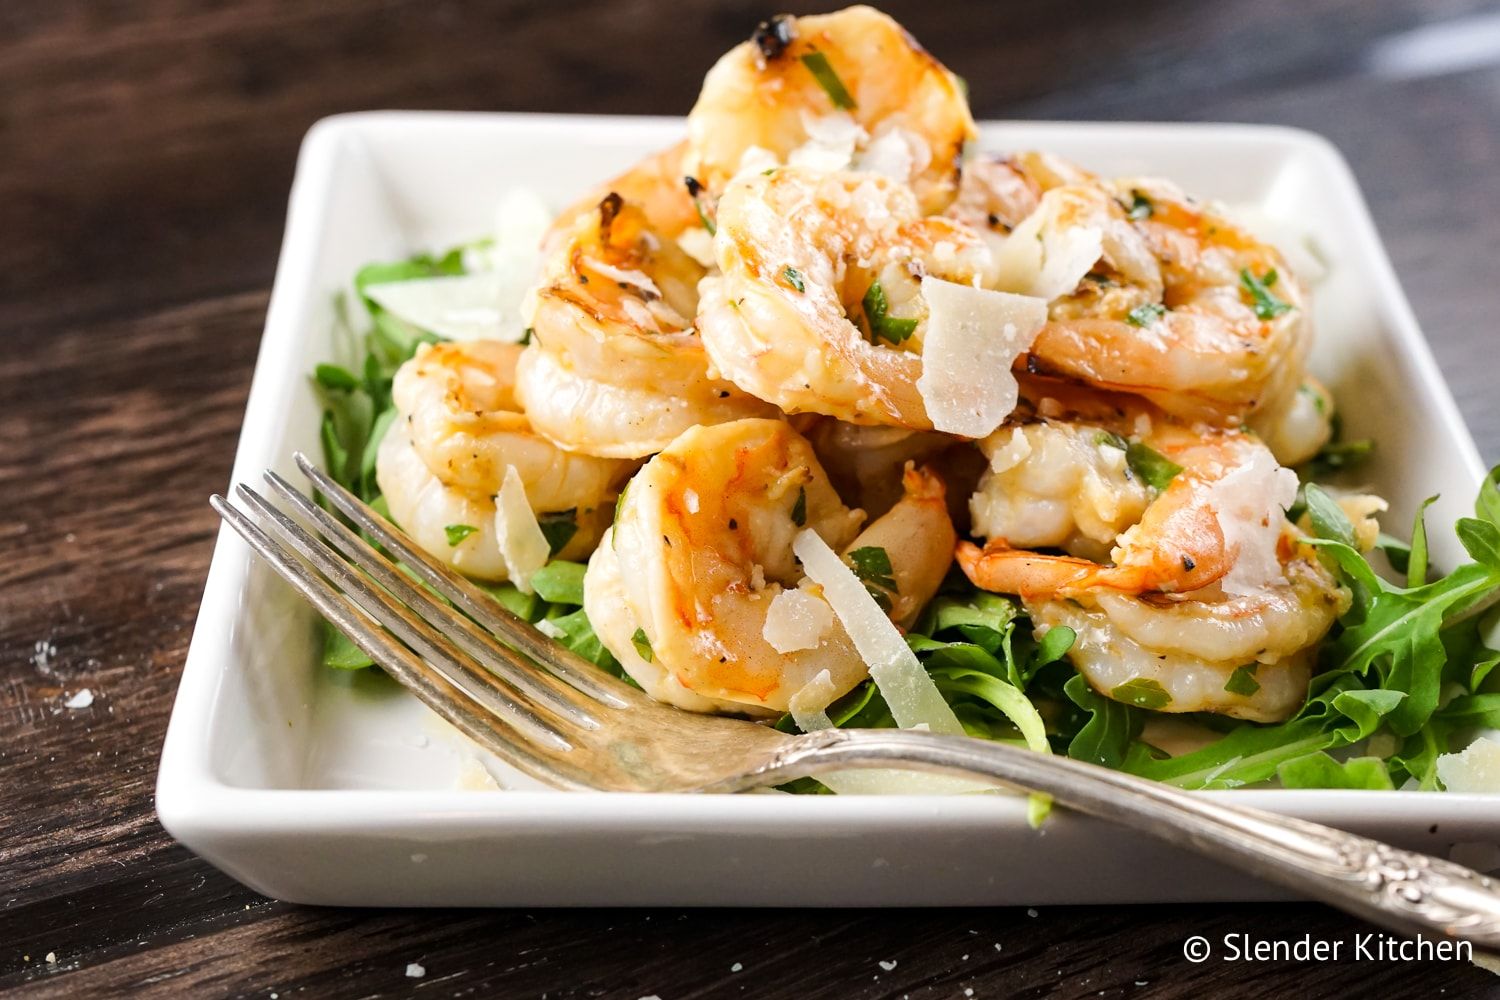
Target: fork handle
[[1402, 890]]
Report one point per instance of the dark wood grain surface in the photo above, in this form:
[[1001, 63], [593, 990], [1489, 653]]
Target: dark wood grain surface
[[146, 149]]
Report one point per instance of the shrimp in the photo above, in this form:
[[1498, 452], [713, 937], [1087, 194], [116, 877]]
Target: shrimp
[[655, 186], [997, 193], [1182, 307], [1208, 579], [1052, 484], [1299, 425], [681, 588], [800, 252], [616, 367], [458, 428], [909, 114]]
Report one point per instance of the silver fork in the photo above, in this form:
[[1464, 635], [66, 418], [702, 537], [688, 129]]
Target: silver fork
[[553, 715]]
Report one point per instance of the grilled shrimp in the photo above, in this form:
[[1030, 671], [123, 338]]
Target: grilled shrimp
[[771, 93], [1181, 307], [800, 252], [997, 193], [1207, 577], [655, 186], [681, 588], [458, 427], [616, 367]]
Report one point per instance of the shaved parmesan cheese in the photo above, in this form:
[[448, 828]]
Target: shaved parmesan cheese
[[796, 620], [522, 545], [1045, 257], [1250, 503], [809, 705], [912, 696], [459, 306], [973, 336], [485, 303], [1476, 768]]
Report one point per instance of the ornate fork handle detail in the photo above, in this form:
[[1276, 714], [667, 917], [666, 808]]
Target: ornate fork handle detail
[[1405, 891]]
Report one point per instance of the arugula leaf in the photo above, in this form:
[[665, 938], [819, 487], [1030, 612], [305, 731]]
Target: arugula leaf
[[335, 377], [339, 651], [822, 70], [799, 508], [1336, 456], [1110, 730], [560, 582], [1487, 504], [578, 635], [1327, 518], [1395, 633], [1318, 770], [510, 597], [881, 323], [1141, 207], [1416, 557], [1266, 305]]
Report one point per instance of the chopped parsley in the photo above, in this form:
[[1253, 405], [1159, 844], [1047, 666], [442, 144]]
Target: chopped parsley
[[882, 324], [1142, 693], [642, 645], [1266, 305], [1145, 315], [1140, 207], [794, 278], [458, 532], [872, 565], [799, 509], [1242, 681], [1146, 463], [695, 192], [817, 64]]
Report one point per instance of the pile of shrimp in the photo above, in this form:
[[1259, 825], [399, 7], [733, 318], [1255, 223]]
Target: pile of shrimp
[[726, 344]]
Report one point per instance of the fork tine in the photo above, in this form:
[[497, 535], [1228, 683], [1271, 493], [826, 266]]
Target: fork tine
[[456, 666], [516, 631], [435, 690], [536, 684]]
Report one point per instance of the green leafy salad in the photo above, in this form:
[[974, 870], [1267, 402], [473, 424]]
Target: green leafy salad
[[1401, 679]]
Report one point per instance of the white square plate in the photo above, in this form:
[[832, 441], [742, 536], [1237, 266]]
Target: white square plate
[[319, 787]]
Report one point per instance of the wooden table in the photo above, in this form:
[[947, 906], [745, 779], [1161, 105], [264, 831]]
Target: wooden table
[[146, 148]]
